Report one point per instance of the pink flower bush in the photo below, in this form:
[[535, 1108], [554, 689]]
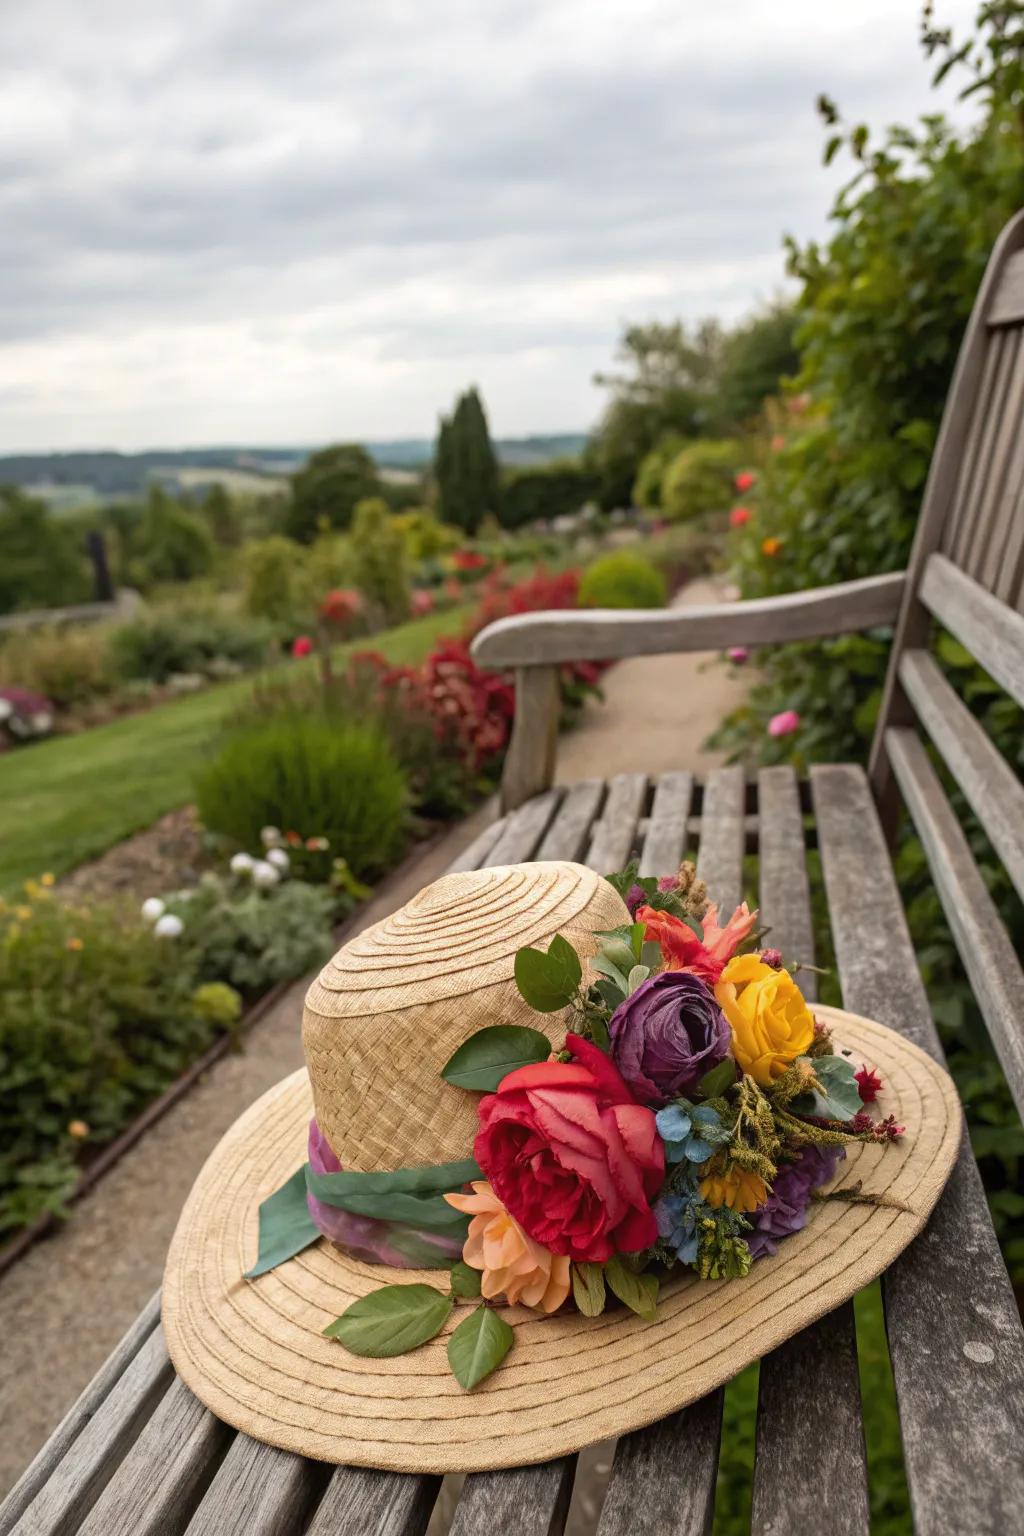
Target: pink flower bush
[[422, 602], [302, 646], [784, 724]]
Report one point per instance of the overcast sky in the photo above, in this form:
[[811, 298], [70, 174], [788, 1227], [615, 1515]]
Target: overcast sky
[[289, 221]]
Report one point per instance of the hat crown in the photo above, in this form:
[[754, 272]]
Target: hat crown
[[396, 1001]]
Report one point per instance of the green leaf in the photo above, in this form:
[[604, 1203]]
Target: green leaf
[[651, 955], [548, 981], [714, 1083], [605, 967], [588, 1288], [411, 1195], [286, 1226], [478, 1346], [465, 1280], [838, 1097], [638, 1292], [611, 993], [638, 974], [617, 953], [485, 1058], [391, 1321]]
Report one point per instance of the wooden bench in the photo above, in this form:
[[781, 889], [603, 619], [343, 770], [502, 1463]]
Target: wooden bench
[[139, 1455]]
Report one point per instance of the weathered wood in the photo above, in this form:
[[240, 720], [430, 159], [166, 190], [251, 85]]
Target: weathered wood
[[1008, 301], [988, 955], [569, 834], [522, 831], [723, 837], [615, 833], [993, 790], [532, 640], [259, 1491], [664, 842], [530, 761], [996, 514], [954, 1332], [531, 1501], [663, 1478], [362, 1502], [986, 465], [992, 632], [799, 1473], [80, 1476], [475, 856], [78, 1416], [164, 1474]]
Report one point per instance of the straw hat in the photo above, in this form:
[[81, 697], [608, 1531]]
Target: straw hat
[[380, 1022]]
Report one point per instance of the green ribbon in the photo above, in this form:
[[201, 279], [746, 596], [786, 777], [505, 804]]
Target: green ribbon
[[413, 1196]]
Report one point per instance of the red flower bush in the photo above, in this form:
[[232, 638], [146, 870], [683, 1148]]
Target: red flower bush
[[572, 1156], [341, 606], [302, 646], [739, 516], [469, 560]]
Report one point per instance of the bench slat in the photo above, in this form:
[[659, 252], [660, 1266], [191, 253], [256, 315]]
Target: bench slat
[[78, 1416], [954, 1332], [157, 1485], [258, 1491], [992, 632], [1008, 300], [475, 856], [988, 955], [663, 1478], [723, 837], [993, 790], [532, 1501], [799, 1473], [359, 1501], [80, 1476], [523, 829], [665, 839], [569, 833], [615, 833]]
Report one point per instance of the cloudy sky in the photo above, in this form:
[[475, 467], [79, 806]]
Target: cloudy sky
[[287, 221]]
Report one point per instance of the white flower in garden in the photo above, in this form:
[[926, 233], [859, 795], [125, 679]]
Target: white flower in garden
[[152, 908], [264, 874], [6, 709], [242, 864], [169, 926], [270, 837], [278, 858]]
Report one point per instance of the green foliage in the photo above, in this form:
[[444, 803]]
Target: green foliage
[[251, 938], [478, 1346], [755, 358], [378, 560], [169, 543], [426, 537], [69, 665], [545, 491], [548, 980], [699, 479], [328, 488], [96, 1018], [276, 578], [638, 1292], [490, 1054], [647, 489], [622, 580], [313, 775], [42, 565], [466, 466], [188, 640], [391, 1321]]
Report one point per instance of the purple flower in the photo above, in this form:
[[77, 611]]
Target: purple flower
[[635, 897], [785, 1210], [666, 1035]]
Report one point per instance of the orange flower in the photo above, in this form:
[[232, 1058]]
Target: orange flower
[[78, 1129], [771, 546], [512, 1263], [74, 944], [739, 1189]]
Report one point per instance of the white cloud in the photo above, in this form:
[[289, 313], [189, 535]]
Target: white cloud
[[237, 220]]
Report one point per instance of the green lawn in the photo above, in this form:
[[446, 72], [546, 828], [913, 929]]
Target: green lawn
[[69, 799]]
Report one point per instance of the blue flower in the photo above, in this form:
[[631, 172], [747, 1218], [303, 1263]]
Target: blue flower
[[677, 1217], [688, 1131]]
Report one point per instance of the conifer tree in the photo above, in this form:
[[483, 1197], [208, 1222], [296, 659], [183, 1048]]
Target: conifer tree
[[466, 466]]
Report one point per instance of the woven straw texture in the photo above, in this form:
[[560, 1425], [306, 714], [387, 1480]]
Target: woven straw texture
[[253, 1351], [394, 1004]]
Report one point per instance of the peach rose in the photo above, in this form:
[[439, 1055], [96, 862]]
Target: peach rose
[[513, 1264]]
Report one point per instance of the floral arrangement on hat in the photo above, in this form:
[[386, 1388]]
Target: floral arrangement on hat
[[691, 1117]]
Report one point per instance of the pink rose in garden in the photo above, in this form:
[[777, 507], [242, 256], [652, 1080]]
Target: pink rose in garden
[[302, 646], [739, 516], [784, 724], [422, 601], [738, 654], [744, 480]]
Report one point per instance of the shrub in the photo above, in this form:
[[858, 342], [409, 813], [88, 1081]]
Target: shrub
[[96, 1018], [379, 566], [275, 579], [327, 490], [68, 665], [195, 641], [253, 938], [622, 580], [700, 480], [43, 565], [426, 537], [545, 491], [170, 544], [288, 770], [647, 487]]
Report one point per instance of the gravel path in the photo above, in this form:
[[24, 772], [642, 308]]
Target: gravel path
[[69, 1300]]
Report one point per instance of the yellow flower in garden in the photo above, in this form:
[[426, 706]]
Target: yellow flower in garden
[[770, 1022], [23, 914], [738, 1188], [74, 944], [771, 546], [47, 880], [32, 889], [78, 1129]]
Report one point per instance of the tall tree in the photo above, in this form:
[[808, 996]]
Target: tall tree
[[327, 488], [465, 465]]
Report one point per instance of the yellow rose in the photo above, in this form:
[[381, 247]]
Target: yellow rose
[[770, 1022]]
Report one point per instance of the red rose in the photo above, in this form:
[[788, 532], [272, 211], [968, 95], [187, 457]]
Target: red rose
[[572, 1156]]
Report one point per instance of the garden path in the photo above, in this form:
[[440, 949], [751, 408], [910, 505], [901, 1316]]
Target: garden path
[[67, 1302]]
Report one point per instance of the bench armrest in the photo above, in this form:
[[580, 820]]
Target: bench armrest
[[607, 634]]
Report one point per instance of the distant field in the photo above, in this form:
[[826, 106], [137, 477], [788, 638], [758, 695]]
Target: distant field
[[68, 800], [240, 482]]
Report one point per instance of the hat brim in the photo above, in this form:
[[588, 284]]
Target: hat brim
[[254, 1351]]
